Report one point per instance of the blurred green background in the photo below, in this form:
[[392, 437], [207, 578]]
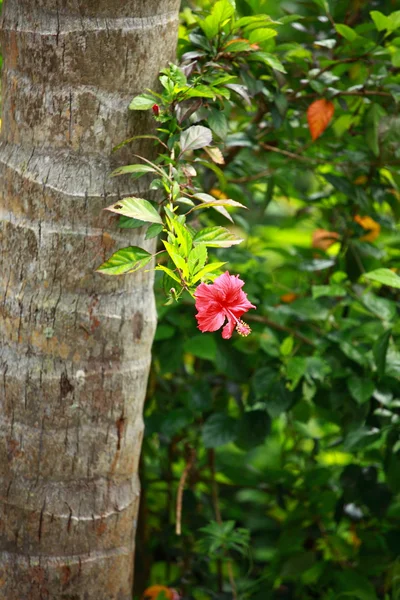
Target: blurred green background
[[294, 489]]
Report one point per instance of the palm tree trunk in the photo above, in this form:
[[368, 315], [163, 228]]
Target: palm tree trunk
[[74, 345]]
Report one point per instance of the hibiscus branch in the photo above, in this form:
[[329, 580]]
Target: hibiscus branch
[[278, 327]]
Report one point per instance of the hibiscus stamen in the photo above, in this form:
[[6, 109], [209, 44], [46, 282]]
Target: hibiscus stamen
[[243, 329]]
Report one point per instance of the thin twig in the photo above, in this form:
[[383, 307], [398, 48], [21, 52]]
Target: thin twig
[[273, 325], [289, 154], [181, 487]]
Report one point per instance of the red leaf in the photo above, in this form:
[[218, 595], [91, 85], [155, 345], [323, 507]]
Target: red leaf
[[319, 115]]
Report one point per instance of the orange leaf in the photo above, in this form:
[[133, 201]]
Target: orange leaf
[[155, 591], [372, 228], [160, 592], [323, 239], [319, 115], [288, 298]]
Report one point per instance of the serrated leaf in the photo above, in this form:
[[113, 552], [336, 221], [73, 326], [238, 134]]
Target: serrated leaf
[[125, 260], [129, 223], [216, 237], [215, 154], [207, 270], [319, 115], [177, 259], [183, 236], [213, 203], [142, 102], [136, 208], [384, 276], [153, 231], [195, 137], [197, 259], [169, 272], [135, 169]]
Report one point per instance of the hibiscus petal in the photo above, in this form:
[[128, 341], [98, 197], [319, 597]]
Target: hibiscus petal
[[210, 321], [228, 329]]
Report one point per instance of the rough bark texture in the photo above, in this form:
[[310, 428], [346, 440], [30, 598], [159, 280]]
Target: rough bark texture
[[74, 345]]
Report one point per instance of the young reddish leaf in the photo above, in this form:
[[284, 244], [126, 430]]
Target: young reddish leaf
[[319, 115]]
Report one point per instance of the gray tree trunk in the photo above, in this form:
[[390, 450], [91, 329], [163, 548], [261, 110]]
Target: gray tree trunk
[[74, 345]]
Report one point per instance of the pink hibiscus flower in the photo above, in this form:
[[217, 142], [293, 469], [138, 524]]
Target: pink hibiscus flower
[[223, 299]]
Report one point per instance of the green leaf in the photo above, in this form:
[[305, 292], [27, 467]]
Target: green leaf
[[268, 59], [202, 346], [136, 169], [183, 237], [345, 31], [360, 388], [254, 426], [296, 367], [125, 260], [169, 272], [372, 120], [129, 223], [212, 203], [136, 208], [383, 308], [258, 36], [207, 270], [220, 13], [137, 137], [237, 46], [197, 259], [218, 430], [381, 21], [142, 102], [194, 138], [287, 346], [328, 290], [322, 4], [176, 258], [379, 351], [153, 231], [384, 276], [218, 122], [257, 20], [216, 237]]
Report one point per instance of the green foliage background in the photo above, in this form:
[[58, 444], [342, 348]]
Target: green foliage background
[[290, 438]]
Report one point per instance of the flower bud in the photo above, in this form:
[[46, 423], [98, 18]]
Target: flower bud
[[156, 110]]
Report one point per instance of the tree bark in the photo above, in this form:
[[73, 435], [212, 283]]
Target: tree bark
[[74, 345]]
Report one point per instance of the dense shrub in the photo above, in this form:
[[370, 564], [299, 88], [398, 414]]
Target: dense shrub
[[287, 442]]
